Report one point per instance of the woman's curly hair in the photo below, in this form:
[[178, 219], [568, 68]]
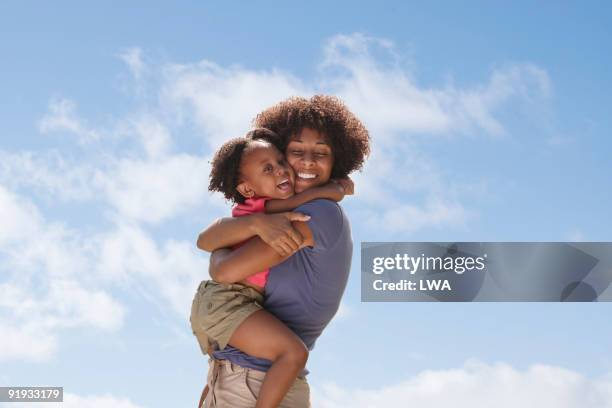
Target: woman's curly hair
[[225, 172], [349, 139]]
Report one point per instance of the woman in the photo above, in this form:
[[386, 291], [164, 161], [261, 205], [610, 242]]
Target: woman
[[322, 140]]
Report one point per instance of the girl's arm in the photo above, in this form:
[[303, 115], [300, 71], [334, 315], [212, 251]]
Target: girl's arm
[[229, 266], [275, 230], [332, 191]]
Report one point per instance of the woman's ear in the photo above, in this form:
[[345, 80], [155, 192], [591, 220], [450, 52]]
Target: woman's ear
[[245, 190]]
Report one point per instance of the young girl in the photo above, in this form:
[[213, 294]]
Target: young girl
[[252, 172]]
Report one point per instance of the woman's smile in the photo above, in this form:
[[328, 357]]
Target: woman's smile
[[311, 156]]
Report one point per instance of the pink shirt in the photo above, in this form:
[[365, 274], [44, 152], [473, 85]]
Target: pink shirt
[[252, 206]]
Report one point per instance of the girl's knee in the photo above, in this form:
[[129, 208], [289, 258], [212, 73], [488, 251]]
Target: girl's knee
[[298, 355]]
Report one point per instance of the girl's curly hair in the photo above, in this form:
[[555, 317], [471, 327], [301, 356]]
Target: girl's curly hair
[[225, 172], [349, 139]]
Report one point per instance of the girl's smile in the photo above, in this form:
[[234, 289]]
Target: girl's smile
[[265, 173]]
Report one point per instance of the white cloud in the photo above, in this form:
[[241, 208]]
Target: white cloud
[[140, 174], [19, 219], [31, 318], [364, 71], [406, 218], [56, 279], [478, 385], [172, 271], [154, 135], [133, 59], [154, 190], [343, 312], [31, 244], [384, 97], [134, 170], [47, 172], [62, 118], [42, 289], [26, 343], [367, 74], [222, 101], [576, 236], [77, 401], [393, 105]]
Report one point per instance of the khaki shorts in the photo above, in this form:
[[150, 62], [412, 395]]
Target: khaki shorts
[[233, 386], [218, 309]]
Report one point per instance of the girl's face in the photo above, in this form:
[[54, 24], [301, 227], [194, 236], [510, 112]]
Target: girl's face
[[264, 172], [311, 157]]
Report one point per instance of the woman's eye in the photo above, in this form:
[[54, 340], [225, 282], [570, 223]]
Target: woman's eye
[[320, 154], [297, 152]]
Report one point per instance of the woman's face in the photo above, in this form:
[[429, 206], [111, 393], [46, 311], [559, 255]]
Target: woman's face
[[311, 156]]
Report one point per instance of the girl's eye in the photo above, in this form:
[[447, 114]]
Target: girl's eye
[[267, 168]]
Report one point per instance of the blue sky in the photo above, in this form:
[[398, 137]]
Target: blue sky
[[489, 122]]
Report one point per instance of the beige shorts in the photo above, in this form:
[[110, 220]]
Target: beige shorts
[[233, 386], [218, 309]]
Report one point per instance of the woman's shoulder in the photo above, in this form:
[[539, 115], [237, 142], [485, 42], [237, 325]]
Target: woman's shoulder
[[327, 223], [321, 205]]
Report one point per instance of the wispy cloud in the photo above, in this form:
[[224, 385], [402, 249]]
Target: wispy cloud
[[155, 190], [149, 167], [222, 101], [576, 236], [401, 115], [134, 60], [478, 385], [41, 291], [48, 174], [366, 72], [77, 401], [55, 278], [62, 118], [168, 273]]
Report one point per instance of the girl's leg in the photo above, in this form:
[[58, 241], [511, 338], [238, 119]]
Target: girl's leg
[[264, 336]]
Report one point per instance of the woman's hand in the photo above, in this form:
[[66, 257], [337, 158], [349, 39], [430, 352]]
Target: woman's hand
[[276, 231]]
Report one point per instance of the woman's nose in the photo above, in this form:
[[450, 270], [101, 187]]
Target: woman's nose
[[307, 159]]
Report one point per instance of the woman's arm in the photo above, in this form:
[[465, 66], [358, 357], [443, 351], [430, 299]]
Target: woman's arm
[[275, 230], [229, 266]]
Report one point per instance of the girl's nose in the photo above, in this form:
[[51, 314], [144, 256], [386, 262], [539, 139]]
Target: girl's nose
[[281, 170]]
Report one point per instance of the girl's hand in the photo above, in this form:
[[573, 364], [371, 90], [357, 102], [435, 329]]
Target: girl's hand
[[331, 191], [347, 184], [276, 231]]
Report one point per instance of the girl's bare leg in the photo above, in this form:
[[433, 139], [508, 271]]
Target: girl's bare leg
[[264, 336]]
